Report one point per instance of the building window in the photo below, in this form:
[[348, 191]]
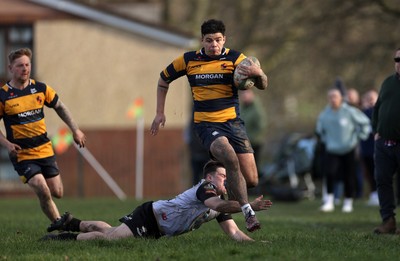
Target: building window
[[11, 38]]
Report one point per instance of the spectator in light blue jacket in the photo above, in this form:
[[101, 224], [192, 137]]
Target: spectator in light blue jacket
[[340, 127]]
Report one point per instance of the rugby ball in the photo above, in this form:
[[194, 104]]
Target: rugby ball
[[240, 81]]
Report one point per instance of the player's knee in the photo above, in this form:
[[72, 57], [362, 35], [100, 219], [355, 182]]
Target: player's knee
[[57, 190], [252, 183], [57, 193], [251, 180]]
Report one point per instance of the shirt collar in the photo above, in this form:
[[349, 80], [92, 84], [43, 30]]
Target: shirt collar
[[10, 86], [223, 53]]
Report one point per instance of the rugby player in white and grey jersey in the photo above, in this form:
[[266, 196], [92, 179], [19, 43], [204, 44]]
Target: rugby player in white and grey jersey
[[186, 212]]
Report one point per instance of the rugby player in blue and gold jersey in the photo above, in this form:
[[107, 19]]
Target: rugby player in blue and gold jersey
[[22, 102], [216, 109]]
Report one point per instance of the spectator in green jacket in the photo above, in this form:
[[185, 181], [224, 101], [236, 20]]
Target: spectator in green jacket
[[255, 119]]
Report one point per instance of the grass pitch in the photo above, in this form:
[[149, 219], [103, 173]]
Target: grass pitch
[[290, 231]]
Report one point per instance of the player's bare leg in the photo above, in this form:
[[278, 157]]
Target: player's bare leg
[[56, 186], [108, 233], [236, 184], [39, 186], [90, 226], [248, 169]]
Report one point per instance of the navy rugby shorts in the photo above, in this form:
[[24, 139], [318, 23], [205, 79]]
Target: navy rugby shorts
[[26, 169], [233, 130]]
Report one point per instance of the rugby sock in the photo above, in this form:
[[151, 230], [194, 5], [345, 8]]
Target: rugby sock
[[247, 210]]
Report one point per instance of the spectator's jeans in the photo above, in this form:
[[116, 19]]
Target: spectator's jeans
[[387, 161]]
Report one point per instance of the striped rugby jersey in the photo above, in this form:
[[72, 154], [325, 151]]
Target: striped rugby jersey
[[215, 98], [23, 115]]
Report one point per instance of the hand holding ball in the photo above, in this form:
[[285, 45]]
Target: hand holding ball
[[241, 81]]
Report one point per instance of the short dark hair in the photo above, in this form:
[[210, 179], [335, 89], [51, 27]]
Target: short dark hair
[[19, 53], [212, 26], [211, 166]]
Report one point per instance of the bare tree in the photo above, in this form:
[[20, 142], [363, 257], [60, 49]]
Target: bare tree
[[303, 45]]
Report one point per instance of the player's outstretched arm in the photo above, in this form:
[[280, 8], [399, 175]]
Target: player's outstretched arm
[[160, 119], [232, 230], [232, 206], [260, 204]]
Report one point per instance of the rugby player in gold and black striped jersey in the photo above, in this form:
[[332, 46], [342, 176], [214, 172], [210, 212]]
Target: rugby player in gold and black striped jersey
[[216, 109], [22, 102]]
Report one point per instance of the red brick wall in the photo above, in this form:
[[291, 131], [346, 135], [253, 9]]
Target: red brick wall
[[164, 164]]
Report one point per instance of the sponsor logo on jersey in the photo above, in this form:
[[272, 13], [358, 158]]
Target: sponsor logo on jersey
[[29, 113], [33, 90], [209, 76]]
